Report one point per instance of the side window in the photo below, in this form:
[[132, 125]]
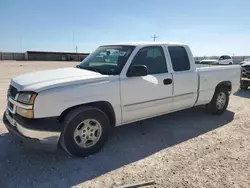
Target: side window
[[153, 57], [179, 58], [225, 57]]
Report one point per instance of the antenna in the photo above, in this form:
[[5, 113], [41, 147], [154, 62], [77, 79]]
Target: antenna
[[154, 37]]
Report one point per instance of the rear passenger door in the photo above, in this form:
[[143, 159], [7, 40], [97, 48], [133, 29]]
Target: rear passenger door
[[185, 78], [147, 96]]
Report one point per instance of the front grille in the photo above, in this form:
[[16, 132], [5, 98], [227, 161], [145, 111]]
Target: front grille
[[10, 105], [246, 66], [10, 114], [12, 91]]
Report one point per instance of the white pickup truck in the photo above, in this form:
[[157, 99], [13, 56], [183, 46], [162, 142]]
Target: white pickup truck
[[115, 85]]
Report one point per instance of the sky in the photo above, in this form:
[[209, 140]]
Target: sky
[[209, 27]]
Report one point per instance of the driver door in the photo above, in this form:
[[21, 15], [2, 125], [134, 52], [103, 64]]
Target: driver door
[[147, 96]]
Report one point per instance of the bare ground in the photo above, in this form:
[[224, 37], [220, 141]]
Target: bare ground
[[186, 149]]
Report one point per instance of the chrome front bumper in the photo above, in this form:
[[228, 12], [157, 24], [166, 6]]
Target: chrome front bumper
[[46, 138]]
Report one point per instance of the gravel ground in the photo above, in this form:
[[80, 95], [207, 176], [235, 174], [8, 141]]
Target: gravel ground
[[185, 149]]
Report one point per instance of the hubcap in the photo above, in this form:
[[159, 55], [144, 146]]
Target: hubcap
[[221, 100], [87, 133]]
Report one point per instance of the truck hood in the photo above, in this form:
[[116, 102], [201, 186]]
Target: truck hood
[[245, 63], [42, 80]]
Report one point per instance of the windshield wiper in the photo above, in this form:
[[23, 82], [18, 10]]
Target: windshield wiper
[[98, 70], [90, 68]]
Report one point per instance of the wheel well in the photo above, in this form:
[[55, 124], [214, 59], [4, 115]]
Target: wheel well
[[105, 106], [225, 84]]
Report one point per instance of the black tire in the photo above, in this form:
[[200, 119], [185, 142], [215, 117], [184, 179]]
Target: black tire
[[244, 87], [212, 106], [72, 120], [230, 63]]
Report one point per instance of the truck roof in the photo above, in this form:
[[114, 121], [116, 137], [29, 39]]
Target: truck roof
[[146, 43]]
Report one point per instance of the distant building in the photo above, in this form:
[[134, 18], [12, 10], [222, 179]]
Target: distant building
[[54, 56]]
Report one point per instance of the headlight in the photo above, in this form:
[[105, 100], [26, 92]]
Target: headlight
[[27, 97], [25, 113]]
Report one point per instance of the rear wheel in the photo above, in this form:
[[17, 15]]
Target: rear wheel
[[86, 131], [219, 102], [230, 63]]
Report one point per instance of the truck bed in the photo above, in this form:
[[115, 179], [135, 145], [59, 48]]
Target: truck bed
[[210, 76]]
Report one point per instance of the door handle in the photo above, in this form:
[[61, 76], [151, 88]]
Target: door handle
[[167, 81]]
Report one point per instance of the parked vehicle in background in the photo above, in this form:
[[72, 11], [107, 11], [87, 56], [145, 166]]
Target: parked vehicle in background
[[77, 107], [245, 61], [225, 60], [245, 74], [209, 61]]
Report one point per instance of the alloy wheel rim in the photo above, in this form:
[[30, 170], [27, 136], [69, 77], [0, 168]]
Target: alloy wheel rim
[[221, 100], [87, 133]]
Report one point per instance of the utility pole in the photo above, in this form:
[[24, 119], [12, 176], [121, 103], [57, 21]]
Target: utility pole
[[21, 43], [76, 48], [154, 37], [73, 41]]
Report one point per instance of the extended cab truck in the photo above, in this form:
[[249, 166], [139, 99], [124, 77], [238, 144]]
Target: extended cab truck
[[76, 107]]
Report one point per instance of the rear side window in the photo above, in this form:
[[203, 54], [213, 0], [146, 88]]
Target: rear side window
[[179, 58]]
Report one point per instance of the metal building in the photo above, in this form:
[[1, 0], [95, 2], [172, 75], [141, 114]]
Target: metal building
[[54, 56]]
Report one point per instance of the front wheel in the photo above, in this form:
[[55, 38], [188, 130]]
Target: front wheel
[[86, 131], [219, 102]]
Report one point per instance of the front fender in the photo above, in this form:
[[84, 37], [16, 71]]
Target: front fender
[[52, 102]]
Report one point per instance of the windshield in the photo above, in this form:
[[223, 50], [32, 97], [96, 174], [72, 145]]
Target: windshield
[[108, 60]]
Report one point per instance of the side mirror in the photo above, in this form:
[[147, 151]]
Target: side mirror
[[137, 70]]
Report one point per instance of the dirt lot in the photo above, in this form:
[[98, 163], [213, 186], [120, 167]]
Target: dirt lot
[[185, 149]]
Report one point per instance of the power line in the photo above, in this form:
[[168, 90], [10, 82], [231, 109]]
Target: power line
[[154, 37]]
